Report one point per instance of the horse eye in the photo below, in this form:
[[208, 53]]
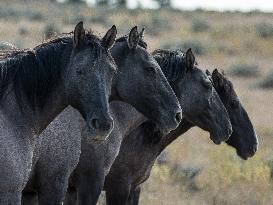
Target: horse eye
[[150, 69], [208, 84]]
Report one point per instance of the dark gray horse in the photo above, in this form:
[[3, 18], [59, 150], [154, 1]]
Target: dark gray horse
[[139, 82], [139, 158], [36, 85], [95, 161], [243, 138]]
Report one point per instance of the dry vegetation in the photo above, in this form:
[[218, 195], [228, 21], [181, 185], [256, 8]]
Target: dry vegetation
[[196, 171]]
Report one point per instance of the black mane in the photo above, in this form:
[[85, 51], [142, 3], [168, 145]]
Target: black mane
[[36, 73], [172, 63], [226, 90]]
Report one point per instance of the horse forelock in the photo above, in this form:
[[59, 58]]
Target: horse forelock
[[172, 63]]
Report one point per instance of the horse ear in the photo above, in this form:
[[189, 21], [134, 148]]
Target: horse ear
[[141, 34], [208, 73], [79, 34], [109, 39], [217, 78], [133, 38], [190, 59]]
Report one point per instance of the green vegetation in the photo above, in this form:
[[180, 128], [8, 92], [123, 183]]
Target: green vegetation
[[50, 30], [196, 46], [267, 81], [199, 25], [244, 70], [264, 30]]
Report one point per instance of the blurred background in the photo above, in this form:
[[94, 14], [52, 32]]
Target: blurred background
[[235, 36]]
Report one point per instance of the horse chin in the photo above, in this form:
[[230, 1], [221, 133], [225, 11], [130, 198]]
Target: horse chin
[[151, 132], [93, 137], [216, 140], [241, 155], [161, 130], [96, 140], [245, 155]]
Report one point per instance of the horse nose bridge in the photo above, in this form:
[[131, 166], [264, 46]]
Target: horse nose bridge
[[170, 99], [102, 92]]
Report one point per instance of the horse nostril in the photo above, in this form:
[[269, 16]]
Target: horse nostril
[[178, 117], [95, 123]]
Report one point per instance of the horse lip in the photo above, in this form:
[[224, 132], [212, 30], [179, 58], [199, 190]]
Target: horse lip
[[161, 127], [245, 156], [242, 156], [97, 140]]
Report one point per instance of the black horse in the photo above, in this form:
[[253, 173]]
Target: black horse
[[135, 160], [96, 160], [139, 82], [36, 85]]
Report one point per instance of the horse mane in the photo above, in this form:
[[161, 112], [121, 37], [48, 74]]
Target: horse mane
[[226, 90], [35, 73], [172, 63]]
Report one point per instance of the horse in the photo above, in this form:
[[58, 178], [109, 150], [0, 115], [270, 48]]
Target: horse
[[244, 138], [142, 157], [36, 85], [96, 160], [139, 82]]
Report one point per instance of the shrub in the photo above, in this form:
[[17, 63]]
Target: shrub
[[196, 46], [267, 82], [161, 172], [264, 30], [100, 19], [270, 164], [74, 19], [50, 30], [23, 31], [228, 169], [186, 175], [244, 70], [156, 24], [163, 158], [199, 25], [34, 16]]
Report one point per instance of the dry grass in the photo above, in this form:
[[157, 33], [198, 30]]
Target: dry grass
[[231, 38]]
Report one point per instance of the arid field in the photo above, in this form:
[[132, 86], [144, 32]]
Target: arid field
[[193, 171]]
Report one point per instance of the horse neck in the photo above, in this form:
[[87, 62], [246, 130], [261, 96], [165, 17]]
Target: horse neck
[[126, 117], [173, 135], [118, 52], [55, 104], [34, 120]]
